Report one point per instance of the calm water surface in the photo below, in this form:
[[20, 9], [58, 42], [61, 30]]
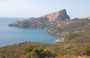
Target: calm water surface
[[13, 35]]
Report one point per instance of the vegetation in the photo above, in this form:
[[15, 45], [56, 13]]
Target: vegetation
[[31, 23], [82, 37], [76, 45], [87, 51], [76, 33], [56, 28]]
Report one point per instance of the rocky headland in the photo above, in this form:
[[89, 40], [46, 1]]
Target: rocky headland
[[45, 21], [57, 23]]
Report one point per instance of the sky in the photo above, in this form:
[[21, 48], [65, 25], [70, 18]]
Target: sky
[[36, 8]]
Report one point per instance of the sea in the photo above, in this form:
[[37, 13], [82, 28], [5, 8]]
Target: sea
[[14, 35]]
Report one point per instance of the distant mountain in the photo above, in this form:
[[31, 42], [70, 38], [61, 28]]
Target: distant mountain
[[58, 16]]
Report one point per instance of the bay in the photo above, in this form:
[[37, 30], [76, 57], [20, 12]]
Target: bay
[[14, 35]]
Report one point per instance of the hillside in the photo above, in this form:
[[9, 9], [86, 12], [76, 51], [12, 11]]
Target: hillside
[[70, 26], [76, 44], [75, 39], [57, 23], [43, 21], [61, 28], [81, 37]]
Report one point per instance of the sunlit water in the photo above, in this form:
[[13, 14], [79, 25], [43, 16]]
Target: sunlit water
[[14, 35]]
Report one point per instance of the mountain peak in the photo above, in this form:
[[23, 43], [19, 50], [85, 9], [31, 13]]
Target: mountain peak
[[58, 16], [62, 11]]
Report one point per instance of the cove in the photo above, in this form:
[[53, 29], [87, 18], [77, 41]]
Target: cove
[[14, 35]]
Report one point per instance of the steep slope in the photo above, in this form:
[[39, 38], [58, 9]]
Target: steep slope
[[58, 16]]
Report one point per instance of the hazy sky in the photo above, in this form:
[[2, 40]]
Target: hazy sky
[[36, 8]]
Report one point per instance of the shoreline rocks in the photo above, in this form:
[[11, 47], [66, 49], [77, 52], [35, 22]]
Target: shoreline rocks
[[60, 40]]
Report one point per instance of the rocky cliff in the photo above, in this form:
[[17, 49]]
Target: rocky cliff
[[58, 16], [89, 17], [43, 21]]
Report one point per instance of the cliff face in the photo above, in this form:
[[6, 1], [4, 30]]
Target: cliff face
[[58, 16], [89, 17]]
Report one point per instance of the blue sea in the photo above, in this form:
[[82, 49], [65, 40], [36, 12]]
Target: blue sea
[[13, 35]]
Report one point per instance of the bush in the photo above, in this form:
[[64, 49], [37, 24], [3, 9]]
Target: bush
[[87, 51], [39, 53]]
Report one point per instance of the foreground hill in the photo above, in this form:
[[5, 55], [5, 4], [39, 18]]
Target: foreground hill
[[75, 44]]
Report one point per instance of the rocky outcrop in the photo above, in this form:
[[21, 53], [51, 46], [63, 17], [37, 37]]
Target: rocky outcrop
[[60, 40], [58, 16], [43, 21], [89, 17]]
